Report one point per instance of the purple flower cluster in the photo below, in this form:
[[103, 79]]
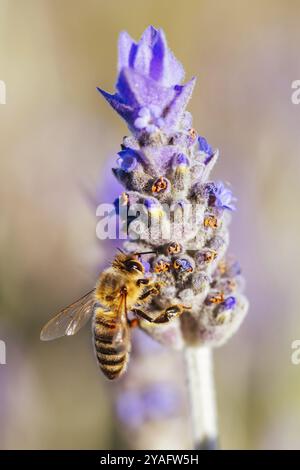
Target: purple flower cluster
[[148, 91], [165, 163]]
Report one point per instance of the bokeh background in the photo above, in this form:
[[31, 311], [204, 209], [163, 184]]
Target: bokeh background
[[58, 139]]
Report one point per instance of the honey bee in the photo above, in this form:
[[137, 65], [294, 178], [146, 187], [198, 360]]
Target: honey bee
[[120, 289]]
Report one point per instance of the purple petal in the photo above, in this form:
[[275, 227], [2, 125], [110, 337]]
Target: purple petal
[[146, 266], [181, 160], [204, 146], [168, 69], [228, 303], [138, 90], [145, 113], [127, 88], [126, 49], [118, 105], [158, 55], [178, 105], [127, 160], [151, 57], [149, 35], [155, 111], [140, 123], [175, 70], [183, 265], [219, 196], [142, 59]]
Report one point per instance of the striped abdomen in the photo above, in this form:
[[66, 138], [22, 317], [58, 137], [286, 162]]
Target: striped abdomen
[[112, 343]]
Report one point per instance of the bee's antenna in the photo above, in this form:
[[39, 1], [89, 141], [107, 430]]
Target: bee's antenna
[[121, 251], [145, 253]]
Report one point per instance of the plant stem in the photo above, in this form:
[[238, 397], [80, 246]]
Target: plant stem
[[200, 381]]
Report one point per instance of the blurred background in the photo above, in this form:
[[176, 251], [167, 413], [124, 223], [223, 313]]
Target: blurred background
[[58, 137]]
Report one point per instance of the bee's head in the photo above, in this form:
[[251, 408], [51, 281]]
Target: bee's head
[[129, 264]]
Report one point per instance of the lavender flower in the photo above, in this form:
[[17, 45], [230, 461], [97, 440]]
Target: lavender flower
[[204, 146], [127, 160], [165, 166], [149, 119], [219, 196], [148, 91]]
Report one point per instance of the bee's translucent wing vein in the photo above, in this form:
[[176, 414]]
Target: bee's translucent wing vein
[[69, 320]]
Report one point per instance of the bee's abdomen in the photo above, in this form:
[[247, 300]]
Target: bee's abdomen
[[112, 355]]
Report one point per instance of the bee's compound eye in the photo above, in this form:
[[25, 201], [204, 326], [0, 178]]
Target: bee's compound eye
[[133, 266]]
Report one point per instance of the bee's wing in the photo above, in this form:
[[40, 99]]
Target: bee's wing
[[69, 320], [121, 331]]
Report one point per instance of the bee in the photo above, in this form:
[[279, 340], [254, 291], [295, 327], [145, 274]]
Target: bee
[[120, 289]]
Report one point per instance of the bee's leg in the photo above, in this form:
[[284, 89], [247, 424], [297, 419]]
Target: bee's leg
[[123, 295], [167, 315], [141, 282], [142, 314], [154, 289]]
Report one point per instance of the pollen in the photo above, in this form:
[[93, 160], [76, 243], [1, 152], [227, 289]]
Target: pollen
[[124, 199], [209, 256], [193, 133], [174, 248], [222, 267], [159, 185], [161, 267], [216, 299], [210, 221]]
